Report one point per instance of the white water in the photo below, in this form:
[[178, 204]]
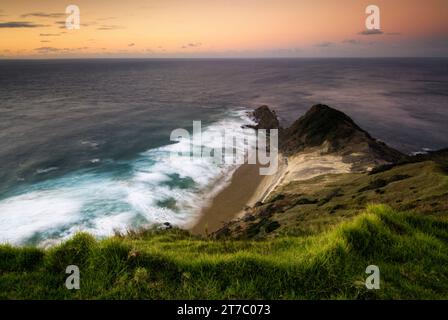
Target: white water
[[159, 188]]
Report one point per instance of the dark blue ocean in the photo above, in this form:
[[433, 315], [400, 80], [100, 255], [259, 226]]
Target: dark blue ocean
[[84, 144]]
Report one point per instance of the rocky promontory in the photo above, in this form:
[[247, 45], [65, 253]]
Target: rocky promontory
[[329, 131]]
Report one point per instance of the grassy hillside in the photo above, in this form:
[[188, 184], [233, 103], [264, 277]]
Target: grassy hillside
[[311, 240], [313, 206], [411, 251]]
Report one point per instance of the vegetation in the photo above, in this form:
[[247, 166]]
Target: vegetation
[[316, 205], [311, 240], [411, 251]]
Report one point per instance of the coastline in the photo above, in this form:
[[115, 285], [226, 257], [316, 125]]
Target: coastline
[[245, 189], [247, 186]]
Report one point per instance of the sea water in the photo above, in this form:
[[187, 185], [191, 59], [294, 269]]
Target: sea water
[[85, 144]]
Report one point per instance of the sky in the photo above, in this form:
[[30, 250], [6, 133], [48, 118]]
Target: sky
[[222, 28]]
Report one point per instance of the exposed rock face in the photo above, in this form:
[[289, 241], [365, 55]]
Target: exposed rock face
[[330, 143], [335, 132], [328, 131], [265, 119], [319, 125]]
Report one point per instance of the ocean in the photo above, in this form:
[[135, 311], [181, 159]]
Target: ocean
[[85, 144]]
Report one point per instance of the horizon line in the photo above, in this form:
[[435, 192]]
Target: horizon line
[[220, 58]]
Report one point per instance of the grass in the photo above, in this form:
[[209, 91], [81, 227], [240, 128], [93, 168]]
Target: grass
[[411, 251], [313, 206]]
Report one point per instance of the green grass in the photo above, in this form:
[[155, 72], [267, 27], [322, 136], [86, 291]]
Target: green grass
[[313, 206], [411, 251]]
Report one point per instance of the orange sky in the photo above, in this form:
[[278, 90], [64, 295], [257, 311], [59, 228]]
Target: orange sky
[[221, 28]]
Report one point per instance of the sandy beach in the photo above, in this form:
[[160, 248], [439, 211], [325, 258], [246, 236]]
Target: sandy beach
[[247, 187]]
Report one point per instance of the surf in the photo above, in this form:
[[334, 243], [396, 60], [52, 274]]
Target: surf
[[156, 187]]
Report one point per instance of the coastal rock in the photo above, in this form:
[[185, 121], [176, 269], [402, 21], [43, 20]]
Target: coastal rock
[[335, 132], [334, 168], [265, 119], [166, 226], [331, 132], [322, 146]]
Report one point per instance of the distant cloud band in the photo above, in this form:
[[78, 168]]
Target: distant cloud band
[[42, 15], [21, 24], [371, 32]]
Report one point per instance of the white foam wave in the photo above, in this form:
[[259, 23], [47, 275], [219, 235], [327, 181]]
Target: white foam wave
[[46, 170], [160, 188]]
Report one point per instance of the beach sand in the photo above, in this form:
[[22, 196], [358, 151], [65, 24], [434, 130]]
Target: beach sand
[[247, 187], [313, 163]]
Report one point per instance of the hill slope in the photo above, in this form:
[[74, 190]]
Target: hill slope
[[311, 239], [314, 205], [325, 126], [411, 252]]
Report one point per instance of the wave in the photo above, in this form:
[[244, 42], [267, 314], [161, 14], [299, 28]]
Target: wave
[[46, 170], [160, 185]]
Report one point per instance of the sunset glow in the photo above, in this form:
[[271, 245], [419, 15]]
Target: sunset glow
[[233, 28]]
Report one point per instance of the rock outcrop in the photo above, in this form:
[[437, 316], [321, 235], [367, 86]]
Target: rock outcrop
[[329, 131], [334, 169], [265, 119], [335, 132]]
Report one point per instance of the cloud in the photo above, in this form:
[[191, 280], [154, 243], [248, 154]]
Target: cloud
[[371, 32], [21, 24], [109, 27], [285, 51], [42, 15], [47, 49], [58, 50], [192, 45], [88, 24], [352, 41], [131, 44], [62, 24], [49, 34], [324, 44]]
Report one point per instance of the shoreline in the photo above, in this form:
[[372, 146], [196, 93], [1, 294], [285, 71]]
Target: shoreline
[[245, 189], [247, 186]]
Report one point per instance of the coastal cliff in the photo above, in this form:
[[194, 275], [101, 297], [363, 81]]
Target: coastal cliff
[[331, 132], [332, 214], [334, 169]]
